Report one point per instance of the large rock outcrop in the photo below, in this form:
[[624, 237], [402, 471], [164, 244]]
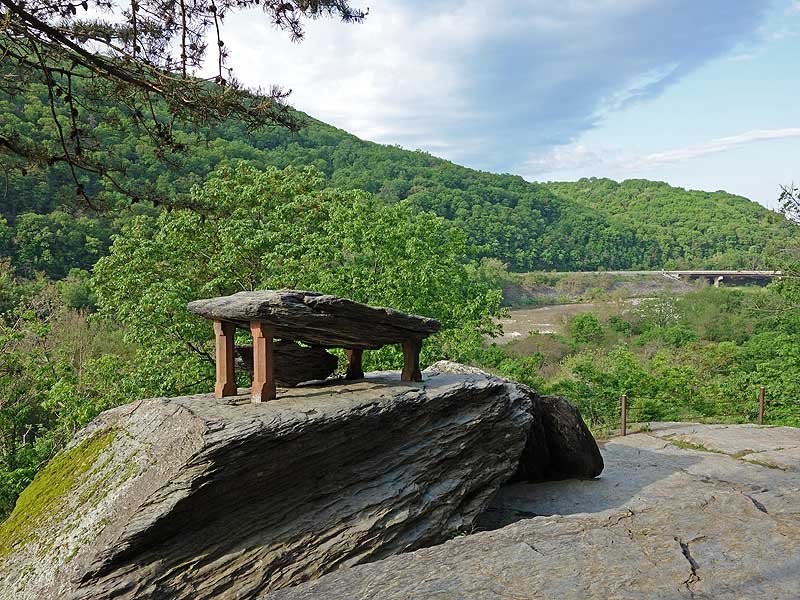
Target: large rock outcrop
[[199, 498], [559, 444], [682, 511]]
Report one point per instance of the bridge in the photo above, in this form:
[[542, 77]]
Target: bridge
[[715, 277]]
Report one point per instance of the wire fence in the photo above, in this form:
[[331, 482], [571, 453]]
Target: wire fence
[[634, 412]]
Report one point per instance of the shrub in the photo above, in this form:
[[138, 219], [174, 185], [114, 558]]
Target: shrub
[[620, 325], [75, 290], [585, 328], [678, 335]]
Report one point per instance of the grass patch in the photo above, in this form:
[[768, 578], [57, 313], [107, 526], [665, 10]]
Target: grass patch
[[762, 463], [683, 445], [639, 428], [742, 453], [44, 499], [602, 432]]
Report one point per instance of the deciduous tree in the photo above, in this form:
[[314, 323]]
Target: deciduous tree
[[277, 229]]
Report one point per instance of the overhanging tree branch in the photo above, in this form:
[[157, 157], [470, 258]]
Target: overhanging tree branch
[[144, 62]]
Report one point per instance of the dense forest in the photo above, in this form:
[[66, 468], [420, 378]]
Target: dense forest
[[591, 224], [92, 298]]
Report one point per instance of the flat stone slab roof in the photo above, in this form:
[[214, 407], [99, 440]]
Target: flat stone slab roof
[[317, 319]]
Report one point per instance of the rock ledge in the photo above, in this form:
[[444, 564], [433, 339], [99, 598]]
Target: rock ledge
[[197, 498]]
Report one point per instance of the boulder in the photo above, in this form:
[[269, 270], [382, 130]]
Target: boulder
[[559, 444], [198, 498], [293, 363]]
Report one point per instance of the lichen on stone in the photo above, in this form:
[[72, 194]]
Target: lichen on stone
[[46, 497]]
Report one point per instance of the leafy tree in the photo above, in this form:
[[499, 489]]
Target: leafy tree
[[585, 328], [137, 62], [57, 372], [12, 292], [281, 229], [619, 324], [789, 263], [6, 233], [76, 292], [790, 201], [57, 242], [656, 312]]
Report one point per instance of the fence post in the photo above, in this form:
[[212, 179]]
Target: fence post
[[624, 420], [761, 405]]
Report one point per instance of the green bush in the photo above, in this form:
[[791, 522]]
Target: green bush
[[678, 335], [524, 370], [585, 328], [620, 325], [76, 291]]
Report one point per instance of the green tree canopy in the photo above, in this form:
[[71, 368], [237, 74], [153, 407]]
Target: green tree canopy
[[591, 224], [277, 229]]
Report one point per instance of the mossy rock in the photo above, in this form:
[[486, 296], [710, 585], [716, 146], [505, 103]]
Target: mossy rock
[[45, 499]]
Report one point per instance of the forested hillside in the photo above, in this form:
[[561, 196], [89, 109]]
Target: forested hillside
[[689, 227], [586, 225], [240, 210]]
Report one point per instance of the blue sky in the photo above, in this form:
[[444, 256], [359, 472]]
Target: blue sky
[[698, 93]]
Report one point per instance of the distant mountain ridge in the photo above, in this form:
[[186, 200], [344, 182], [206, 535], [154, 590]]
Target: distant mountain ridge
[[590, 224]]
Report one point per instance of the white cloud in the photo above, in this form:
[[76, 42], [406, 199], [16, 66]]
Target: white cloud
[[488, 83], [724, 144], [568, 157], [578, 157], [743, 56]]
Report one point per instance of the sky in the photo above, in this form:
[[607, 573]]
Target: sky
[[702, 94]]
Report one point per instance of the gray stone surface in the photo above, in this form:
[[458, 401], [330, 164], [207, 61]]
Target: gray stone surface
[[570, 450], [664, 521], [559, 445], [199, 498], [317, 319], [293, 363]]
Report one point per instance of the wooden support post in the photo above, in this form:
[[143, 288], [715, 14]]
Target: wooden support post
[[354, 368], [411, 349], [263, 387], [226, 377], [761, 394], [624, 417]]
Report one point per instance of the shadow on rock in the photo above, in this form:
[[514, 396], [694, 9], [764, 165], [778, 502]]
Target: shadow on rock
[[629, 470]]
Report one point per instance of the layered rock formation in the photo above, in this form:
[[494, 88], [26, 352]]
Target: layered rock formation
[[293, 363], [559, 444], [318, 319], [682, 511], [199, 498]]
